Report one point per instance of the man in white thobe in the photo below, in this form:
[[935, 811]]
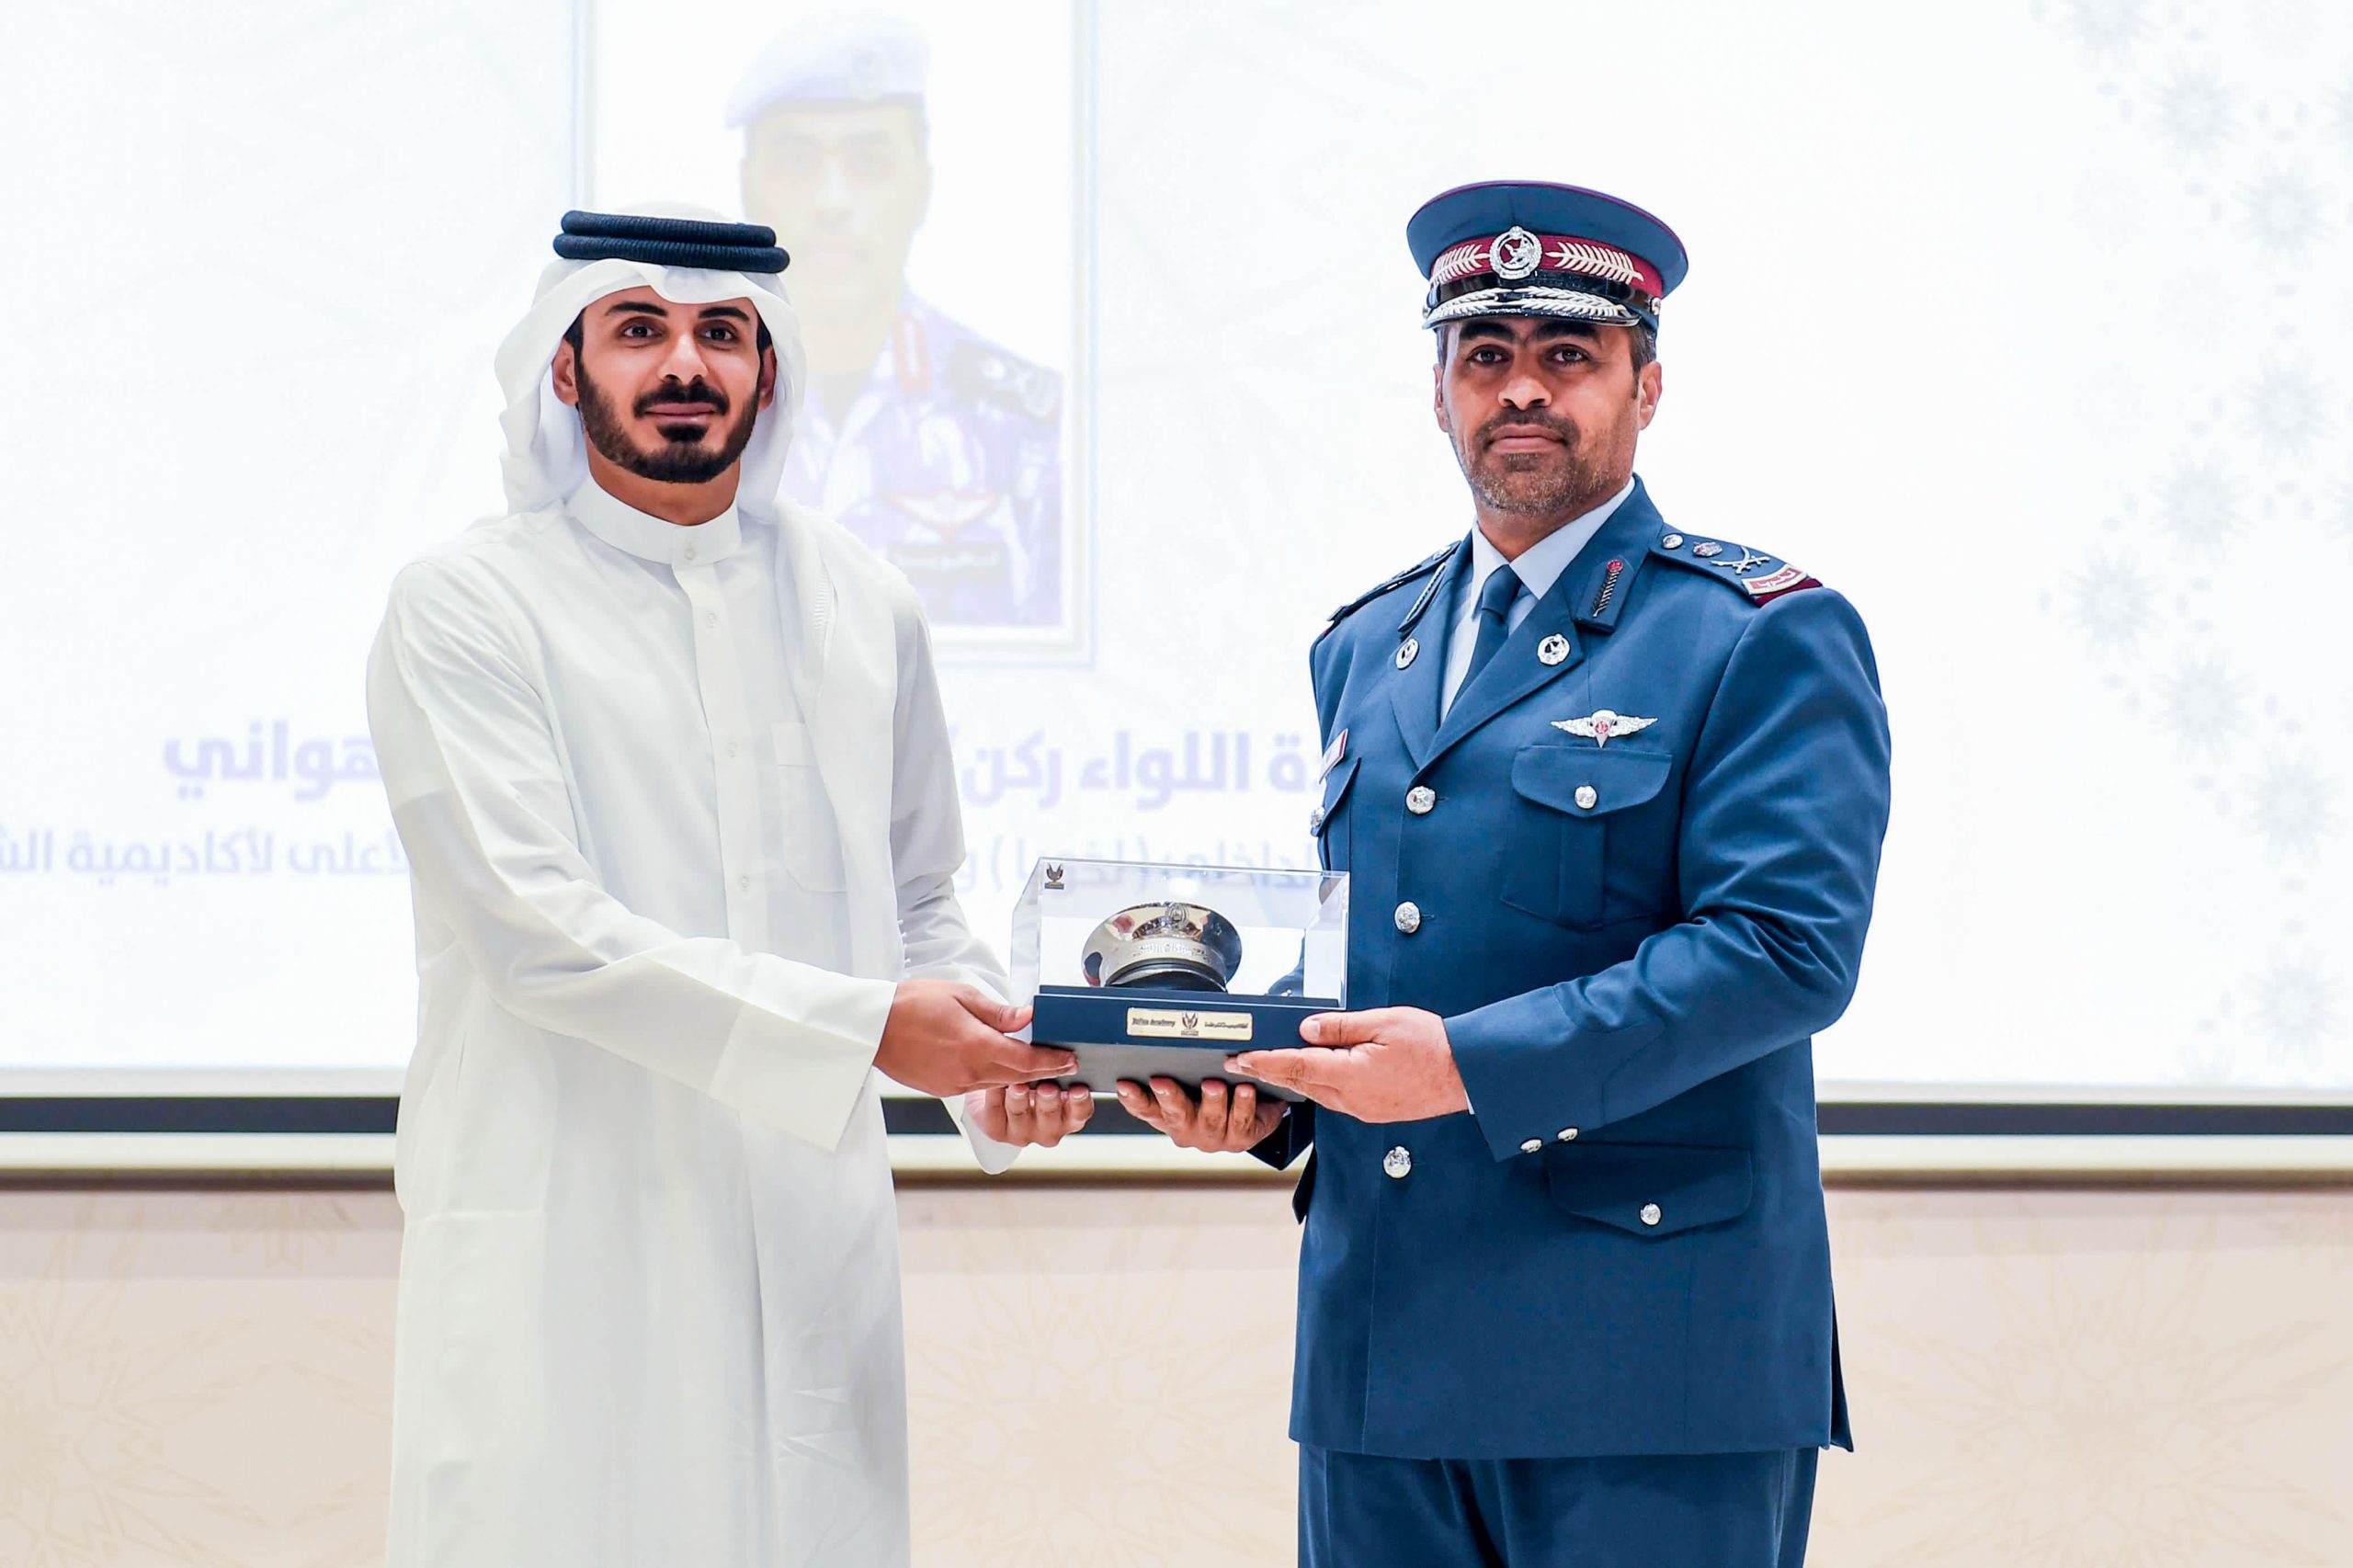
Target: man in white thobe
[[673, 778]]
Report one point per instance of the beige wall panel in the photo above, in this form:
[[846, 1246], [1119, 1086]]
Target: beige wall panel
[[2092, 1379], [2087, 1378], [1101, 1377]]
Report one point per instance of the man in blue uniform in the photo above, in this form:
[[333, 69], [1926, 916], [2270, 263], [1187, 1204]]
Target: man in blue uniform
[[936, 447], [1610, 790]]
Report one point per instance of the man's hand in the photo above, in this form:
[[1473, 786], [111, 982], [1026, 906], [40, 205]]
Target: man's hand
[[1222, 1122], [944, 1037], [1392, 1065], [1041, 1114]]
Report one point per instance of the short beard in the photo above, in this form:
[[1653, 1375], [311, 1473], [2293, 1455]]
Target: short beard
[[1540, 489], [678, 462]]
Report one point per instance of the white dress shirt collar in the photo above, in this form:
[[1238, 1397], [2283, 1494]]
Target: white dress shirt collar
[[1540, 564], [650, 537], [1539, 567]]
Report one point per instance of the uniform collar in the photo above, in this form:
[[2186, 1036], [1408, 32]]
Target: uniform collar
[[649, 538], [1540, 564]]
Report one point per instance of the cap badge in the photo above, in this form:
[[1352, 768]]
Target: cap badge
[[1516, 253], [1602, 726]]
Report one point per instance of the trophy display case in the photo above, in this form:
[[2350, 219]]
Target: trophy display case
[[1146, 971]]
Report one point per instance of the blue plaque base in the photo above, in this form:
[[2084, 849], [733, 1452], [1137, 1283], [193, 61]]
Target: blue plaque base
[[1146, 1033]]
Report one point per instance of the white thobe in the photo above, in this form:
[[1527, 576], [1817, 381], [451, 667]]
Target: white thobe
[[679, 809]]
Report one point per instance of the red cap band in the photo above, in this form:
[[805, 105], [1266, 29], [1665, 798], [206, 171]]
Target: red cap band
[[1515, 254]]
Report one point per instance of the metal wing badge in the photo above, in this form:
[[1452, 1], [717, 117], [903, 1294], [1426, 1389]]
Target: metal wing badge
[[1603, 726]]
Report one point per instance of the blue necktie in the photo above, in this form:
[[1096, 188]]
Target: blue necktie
[[1495, 598]]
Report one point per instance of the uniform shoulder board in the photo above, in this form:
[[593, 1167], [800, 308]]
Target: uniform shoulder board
[[1427, 564], [1763, 578], [980, 373]]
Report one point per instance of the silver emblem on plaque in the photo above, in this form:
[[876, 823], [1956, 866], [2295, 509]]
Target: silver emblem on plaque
[[1181, 947], [1515, 254], [1406, 651], [1552, 650]]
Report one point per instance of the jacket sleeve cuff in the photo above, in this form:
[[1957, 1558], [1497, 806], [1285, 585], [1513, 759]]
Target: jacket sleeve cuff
[[1528, 1083], [1289, 1139], [803, 1073]]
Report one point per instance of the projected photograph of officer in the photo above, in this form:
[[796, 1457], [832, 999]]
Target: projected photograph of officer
[[936, 446]]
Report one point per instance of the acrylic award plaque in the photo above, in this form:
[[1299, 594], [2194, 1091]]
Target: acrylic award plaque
[[1145, 970]]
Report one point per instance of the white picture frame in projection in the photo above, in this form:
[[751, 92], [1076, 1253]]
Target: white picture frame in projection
[[928, 168]]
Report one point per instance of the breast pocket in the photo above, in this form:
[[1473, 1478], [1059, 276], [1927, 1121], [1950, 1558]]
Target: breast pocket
[[1329, 821], [1565, 861], [812, 844]]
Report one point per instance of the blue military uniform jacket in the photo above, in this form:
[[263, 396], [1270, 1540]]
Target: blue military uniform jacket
[[1622, 1249], [948, 465]]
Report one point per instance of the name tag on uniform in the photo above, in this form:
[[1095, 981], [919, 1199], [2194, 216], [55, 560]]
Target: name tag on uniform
[[1332, 755]]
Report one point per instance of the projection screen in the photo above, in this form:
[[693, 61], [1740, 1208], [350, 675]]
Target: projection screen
[[2013, 323]]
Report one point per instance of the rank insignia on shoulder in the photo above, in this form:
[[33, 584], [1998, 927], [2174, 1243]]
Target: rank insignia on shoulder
[[981, 374], [1772, 585], [1764, 577]]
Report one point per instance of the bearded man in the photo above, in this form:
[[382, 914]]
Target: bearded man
[[670, 768], [1615, 790], [937, 446]]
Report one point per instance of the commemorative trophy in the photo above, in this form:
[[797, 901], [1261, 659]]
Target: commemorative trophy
[[1145, 970]]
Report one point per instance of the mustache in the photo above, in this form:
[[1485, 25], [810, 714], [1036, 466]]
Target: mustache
[[696, 390], [1520, 422]]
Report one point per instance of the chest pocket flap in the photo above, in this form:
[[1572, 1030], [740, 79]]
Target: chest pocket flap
[[1588, 780], [1569, 854], [1650, 1189]]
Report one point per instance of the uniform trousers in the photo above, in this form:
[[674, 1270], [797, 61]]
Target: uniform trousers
[[1651, 1511]]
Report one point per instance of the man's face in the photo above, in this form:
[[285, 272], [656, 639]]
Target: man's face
[[667, 392], [845, 188], [1544, 414]]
